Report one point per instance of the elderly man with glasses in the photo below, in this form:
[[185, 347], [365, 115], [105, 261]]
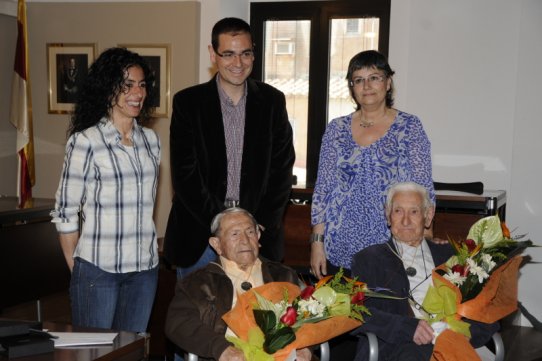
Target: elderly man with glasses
[[403, 265]]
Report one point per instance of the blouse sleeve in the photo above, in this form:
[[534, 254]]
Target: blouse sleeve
[[419, 155], [71, 189]]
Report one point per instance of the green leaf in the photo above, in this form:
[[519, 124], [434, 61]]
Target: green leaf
[[265, 319], [278, 339], [486, 230], [341, 307], [325, 295]]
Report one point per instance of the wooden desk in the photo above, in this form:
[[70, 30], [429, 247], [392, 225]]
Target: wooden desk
[[128, 346]]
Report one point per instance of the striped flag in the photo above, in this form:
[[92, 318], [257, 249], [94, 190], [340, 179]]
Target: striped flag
[[21, 112]]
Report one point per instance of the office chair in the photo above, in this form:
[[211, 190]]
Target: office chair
[[373, 346], [324, 353]]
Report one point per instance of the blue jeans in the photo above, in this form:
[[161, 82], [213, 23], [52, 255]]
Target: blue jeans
[[118, 301], [207, 256]]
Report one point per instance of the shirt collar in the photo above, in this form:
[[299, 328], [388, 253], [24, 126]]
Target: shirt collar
[[224, 98], [112, 135]]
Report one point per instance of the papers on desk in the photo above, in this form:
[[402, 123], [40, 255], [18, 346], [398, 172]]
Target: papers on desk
[[83, 338]]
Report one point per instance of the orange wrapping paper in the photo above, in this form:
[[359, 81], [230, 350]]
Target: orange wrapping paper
[[453, 346], [498, 298], [241, 319]]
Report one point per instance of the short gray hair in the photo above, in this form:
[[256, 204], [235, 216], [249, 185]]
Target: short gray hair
[[215, 223], [408, 187]]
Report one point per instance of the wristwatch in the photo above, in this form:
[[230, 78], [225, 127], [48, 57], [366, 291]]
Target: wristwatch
[[315, 237]]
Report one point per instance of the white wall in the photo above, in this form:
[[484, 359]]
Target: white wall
[[525, 208], [470, 70]]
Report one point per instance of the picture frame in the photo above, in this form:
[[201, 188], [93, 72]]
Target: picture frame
[[158, 58], [67, 68]]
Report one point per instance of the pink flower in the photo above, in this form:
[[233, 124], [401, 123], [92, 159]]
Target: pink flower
[[307, 292], [289, 317]]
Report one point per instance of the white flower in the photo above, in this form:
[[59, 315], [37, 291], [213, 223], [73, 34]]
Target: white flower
[[455, 278], [488, 262], [477, 270], [279, 309], [312, 306]]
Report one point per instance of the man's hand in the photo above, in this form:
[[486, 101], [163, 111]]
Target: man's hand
[[232, 354], [303, 354], [423, 334]]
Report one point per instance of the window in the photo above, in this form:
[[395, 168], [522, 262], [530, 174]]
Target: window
[[352, 26], [303, 49], [284, 48]]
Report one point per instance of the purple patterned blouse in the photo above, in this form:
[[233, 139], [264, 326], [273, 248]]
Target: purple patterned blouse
[[352, 182]]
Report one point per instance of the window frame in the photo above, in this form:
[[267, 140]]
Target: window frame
[[319, 13]]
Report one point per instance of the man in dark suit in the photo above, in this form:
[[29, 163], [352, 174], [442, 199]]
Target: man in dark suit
[[403, 265], [231, 145]]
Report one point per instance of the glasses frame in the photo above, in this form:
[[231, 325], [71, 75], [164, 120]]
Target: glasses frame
[[374, 78], [230, 55]]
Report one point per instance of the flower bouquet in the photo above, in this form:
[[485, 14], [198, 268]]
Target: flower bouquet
[[273, 320], [479, 282]]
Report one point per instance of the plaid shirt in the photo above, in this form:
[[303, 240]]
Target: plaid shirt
[[114, 186]]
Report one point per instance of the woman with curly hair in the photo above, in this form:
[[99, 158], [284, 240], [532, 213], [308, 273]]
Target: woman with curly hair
[[105, 199]]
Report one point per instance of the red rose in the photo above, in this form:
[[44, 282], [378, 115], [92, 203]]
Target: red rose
[[471, 245], [289, 317], [307, 292], [358, 298], [459, 269]]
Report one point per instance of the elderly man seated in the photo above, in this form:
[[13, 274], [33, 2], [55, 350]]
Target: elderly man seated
[[194, 320], [404, 266]]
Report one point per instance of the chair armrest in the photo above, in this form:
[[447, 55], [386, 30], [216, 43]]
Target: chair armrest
[[499, 346], [373, 346], [324, 351]]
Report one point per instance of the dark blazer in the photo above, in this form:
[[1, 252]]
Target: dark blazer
[[199, 168], [392, 321], [194, 320]]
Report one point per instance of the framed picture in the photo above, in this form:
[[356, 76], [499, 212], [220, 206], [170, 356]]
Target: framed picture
[[158, 58], [67, 68]]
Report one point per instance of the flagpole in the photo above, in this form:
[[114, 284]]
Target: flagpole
[[21, 112]]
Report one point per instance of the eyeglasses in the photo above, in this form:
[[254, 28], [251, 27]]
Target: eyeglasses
[[375, 78], [230, 55]]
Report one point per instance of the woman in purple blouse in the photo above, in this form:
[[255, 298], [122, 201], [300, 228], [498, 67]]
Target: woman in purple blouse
[[362, 154]]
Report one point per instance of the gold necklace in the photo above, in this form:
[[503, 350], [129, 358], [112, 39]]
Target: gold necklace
[[365, 123]]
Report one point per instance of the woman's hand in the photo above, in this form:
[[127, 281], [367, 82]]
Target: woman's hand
[[318, 260]]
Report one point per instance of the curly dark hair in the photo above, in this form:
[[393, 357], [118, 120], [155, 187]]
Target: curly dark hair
[[103, 84], [370, 59]]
